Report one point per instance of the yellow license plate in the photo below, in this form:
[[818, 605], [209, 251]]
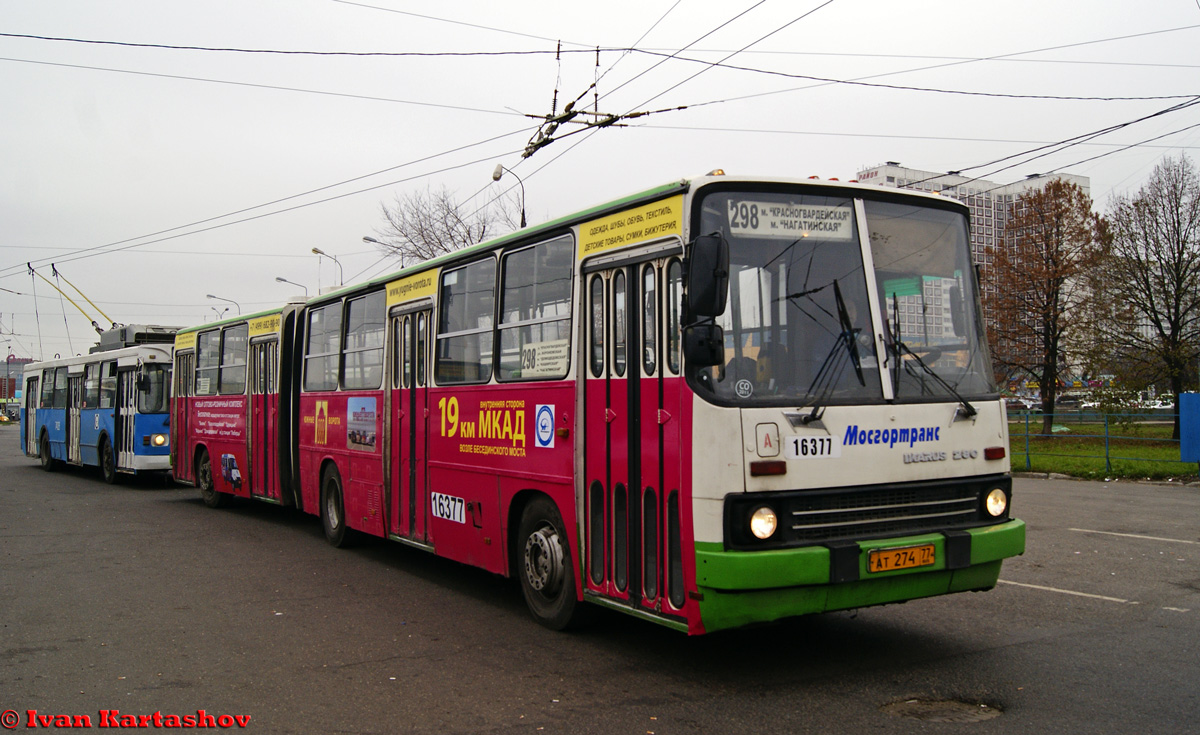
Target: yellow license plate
[[907, 557]]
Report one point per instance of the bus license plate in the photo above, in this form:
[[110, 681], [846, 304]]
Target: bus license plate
[[907, 557]]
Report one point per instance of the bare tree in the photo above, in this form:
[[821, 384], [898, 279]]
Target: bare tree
[[422, 225], [1153, 268], [1038, 269]]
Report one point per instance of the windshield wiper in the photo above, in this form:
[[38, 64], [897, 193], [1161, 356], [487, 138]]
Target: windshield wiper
[[835, 362], [901, 349]]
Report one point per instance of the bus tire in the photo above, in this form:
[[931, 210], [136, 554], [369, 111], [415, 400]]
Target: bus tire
[[333, 508], [108, 461], [49, 463], [204, 481], [545, 568]]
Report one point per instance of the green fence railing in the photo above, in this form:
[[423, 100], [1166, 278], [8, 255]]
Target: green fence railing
[[1090, 443]]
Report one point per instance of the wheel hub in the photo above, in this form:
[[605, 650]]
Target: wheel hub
[[544, 560]]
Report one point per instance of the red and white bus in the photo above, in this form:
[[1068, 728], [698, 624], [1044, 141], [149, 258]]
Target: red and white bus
[[719, 402]]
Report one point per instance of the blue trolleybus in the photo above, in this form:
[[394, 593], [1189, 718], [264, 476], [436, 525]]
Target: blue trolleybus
[[108, 409]]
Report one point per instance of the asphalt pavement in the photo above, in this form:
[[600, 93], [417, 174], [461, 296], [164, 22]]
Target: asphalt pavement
[[133, 601]]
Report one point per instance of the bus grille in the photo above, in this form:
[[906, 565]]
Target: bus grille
[[883, 511], [823, 516]]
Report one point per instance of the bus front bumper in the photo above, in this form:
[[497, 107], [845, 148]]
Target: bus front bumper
[[739, 588]]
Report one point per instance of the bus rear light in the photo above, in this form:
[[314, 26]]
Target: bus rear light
[[768, 467], [993, 453]]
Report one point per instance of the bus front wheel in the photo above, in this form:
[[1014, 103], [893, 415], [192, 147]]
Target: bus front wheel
[[204, 480], [545, 568], [108, 462], [333, 510], [47, 460]]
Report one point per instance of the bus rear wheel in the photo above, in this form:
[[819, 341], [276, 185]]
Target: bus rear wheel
[[333, 509], [204, 481], [108, 462], [545, 568], [47, 460]]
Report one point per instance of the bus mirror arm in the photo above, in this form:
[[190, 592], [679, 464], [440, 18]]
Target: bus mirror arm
[[704, 344]]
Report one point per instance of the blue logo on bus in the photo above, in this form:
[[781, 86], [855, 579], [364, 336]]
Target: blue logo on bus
[[544, 425]]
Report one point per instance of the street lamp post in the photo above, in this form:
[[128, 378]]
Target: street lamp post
[[341, 277], [500, 169], [382, 244], [301, 285], [222, 298]]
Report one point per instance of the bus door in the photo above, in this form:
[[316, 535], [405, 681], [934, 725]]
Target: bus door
[[263, 421], [184, 374], [74, 404], [125, 429], [31, 427], [632, 461], [409, 411]]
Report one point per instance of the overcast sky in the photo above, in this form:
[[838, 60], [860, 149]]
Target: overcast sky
[[154, 176]]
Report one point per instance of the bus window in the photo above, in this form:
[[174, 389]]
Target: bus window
[[402, 346], [208, 362], [421, 350], [233, 360], [47, 400], [364, 342], [323, 348], [674, 304], [597, 319], [108, 385], [619, 324], [649, 319], [154, 389], [535, 312], [91, 385], [464, 340], [60, 388]]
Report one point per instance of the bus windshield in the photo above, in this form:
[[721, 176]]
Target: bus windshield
[[154, 386], [798, 323]]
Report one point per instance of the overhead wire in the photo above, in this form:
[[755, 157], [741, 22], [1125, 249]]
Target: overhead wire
[[113, 246], [1060, 145], [255, 85]]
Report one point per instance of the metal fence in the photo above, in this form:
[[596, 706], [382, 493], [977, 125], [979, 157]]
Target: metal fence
[[1113, 437]]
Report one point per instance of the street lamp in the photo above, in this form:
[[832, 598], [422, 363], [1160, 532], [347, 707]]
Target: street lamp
[[222, 298], [341, 278], [382, 244], [220, 312], [301, 285], [500, 169]]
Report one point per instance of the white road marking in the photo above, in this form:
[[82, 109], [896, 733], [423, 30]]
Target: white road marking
[[1070, 592], [1134, 535], [1178, 609]]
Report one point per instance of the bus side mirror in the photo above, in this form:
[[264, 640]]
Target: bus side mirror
[[704, 345], [708, 276], [142, 383]]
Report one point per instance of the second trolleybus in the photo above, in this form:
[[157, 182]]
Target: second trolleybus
[[718, 402], [107, 409]]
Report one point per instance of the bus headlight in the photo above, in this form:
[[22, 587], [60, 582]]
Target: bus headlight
[[763, 523], [157, 440], [996, 503]]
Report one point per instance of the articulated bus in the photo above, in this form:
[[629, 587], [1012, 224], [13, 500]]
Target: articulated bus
[[107, 409], [719, 402]]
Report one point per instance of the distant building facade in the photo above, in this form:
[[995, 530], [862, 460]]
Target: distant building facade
[[991, 205]]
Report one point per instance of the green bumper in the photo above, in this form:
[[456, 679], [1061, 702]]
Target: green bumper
[[739, 587]]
